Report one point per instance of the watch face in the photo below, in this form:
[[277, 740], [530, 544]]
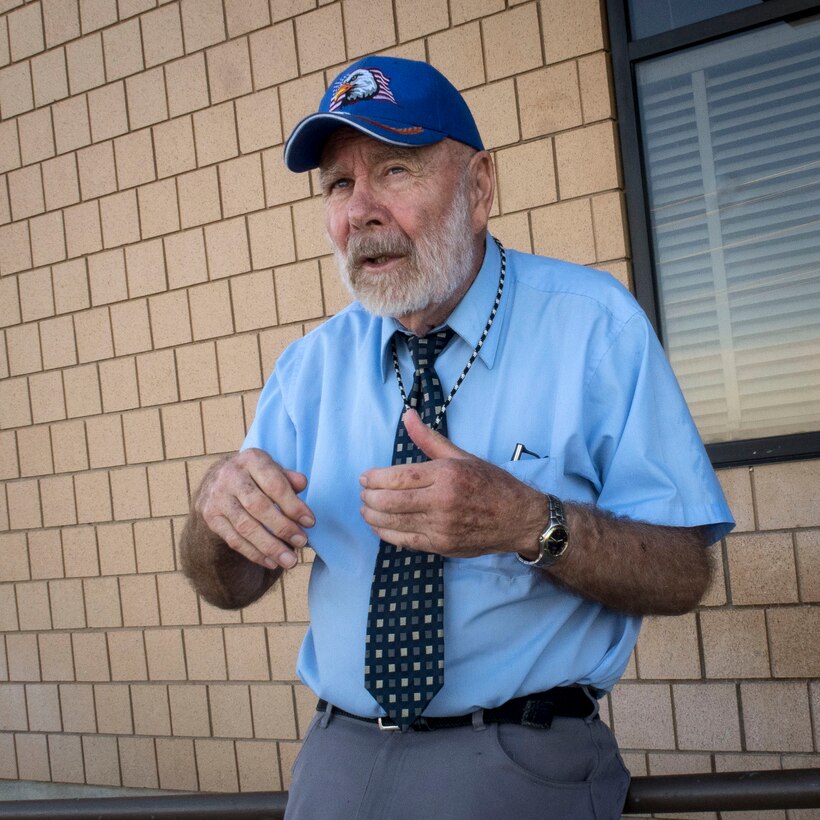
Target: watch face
[[557, 540]]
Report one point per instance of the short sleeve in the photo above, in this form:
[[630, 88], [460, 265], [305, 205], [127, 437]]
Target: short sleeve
[[643, 441], [272, 429]]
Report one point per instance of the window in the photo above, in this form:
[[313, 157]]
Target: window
[[719, 111]]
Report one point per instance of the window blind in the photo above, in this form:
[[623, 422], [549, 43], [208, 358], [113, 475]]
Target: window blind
[[731, 140]]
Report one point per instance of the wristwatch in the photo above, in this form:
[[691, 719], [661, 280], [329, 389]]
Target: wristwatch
[[553, 543]]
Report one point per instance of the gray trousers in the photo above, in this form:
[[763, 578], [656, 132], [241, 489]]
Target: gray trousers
[[350, 770]]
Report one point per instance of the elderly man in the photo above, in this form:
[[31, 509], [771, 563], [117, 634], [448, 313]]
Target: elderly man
[[497, 472]]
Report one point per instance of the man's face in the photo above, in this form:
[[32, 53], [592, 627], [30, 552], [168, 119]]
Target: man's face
[[399, 220]]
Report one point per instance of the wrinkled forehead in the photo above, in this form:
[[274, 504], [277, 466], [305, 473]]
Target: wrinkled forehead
[[347, 142]]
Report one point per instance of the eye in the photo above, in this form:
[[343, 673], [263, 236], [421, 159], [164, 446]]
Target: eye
[[336, 185], [396, 169]]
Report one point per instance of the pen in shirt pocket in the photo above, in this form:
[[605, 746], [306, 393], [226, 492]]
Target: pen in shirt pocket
[[520, 450]]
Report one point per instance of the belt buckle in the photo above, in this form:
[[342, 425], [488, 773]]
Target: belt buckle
[[386, 727]]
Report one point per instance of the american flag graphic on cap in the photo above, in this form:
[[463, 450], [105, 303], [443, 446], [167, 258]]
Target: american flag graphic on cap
[[362, 84]]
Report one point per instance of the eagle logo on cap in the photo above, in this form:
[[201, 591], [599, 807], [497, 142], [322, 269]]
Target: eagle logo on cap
[[361, 84]]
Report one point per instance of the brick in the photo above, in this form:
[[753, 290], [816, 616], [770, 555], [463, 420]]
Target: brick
[[238, 360], [203, 23], [609, 225], [166, 660], [596, 87], [571, 29], [205, 653], [145, 268], [295, 590], [281, 185], [43, 705], [168, 488], [642, 716], [254, 302], [138, 762], [116, 549], [23, 657], [135, 158], [36, 136], [106, 278], [152, 714], [15, 251], [9, 466], [196, 365], [91, 656], [159, 213], [127, 653], [174, 146], [247, 654], [586, 160], [416, 19], [272, 237], [60, 182], [154, 546], [32, 604], [8, 617], [123, 50], [61, 21], [318, 40], [335, 295], [56, 658], [762, 568], [25, 32], [185, 258], [67, 603], [457, 54], [258, 123], [737, 487], [157, 377], [564, 231], [57, 495], [105, 443], [113, 703], [216, 764], [10, 144], [15, 410], [32, 757], [107, 106], [93, 498], [273, 715], [82, 390], [49, 78], [210, 310], [118, 380], [143, 436], [210, 614], [495, 113], [23, 348], [10, 296], [15, 90], [85, 63], [36, 296], [273, 55], [69, 446], [298, 98], [794, 649], [808, 565], [272, 343], [26, 192], [97, 14], [520, 26], [13, 711], [243, 16], [284, 642], [178, 605], [146, 97], [199, 197], [734, 644], [45, 554], [120, 219], [130, 494], [794, 484], [526, 176], [97, 173], [82, 229], [776, 717], [369, 26], [298, 292], [707, 716], [215, 133], [47, 239], [101, 760], [241, 185], [128, 8], [93, 333], [77, 707], [102, 602], [309, 228], [549, 100], [161, 35], [47, 398], [132, 330], [8, 757], [182, 429], [229, 70], [65, 755], [187, 84], [24, 505], [227, 248], [230, 711], [258, 764], [176, 764], [79, 543], [34, 447]]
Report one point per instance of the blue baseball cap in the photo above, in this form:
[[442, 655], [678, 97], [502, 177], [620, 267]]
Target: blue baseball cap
[[397, 101]]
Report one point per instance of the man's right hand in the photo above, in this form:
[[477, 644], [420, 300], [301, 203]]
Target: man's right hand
[[251, 503]]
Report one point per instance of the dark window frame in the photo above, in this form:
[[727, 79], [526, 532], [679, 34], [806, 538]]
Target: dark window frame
[[625, 54]]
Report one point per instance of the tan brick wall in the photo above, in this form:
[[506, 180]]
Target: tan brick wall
[[155, 258]]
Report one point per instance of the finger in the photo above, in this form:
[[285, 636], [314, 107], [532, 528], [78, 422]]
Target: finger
[[396, 501], [256, 518], [280, 486], [399, 477], [405, 540], [432, 443], [276, 554]]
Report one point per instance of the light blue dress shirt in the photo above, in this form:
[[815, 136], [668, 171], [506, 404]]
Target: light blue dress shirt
[[571, 369]]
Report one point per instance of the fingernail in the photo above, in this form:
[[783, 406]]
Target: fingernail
[[270, 563], [287, 560], [307, 520], [298, 540], [363, 480]]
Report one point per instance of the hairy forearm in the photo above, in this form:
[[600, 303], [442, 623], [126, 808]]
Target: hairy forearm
[[631, 566], [223, 577]]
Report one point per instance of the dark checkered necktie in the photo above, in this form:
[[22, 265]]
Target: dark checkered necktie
[[404, 652]]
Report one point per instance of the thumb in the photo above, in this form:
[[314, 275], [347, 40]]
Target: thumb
[[432, 443]]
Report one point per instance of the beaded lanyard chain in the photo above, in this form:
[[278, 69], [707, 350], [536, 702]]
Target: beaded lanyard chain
[[473, 356]]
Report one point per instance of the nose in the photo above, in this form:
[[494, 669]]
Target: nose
[[364, 207]]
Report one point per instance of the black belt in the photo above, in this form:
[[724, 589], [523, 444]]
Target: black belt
[[536, 711]]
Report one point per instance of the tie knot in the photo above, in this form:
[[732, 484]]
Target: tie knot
[[425, 349]]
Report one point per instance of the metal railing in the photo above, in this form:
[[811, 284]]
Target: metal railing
[[727, 791]]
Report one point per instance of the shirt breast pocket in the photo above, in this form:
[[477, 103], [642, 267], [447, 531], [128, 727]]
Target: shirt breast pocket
[[544, 474]]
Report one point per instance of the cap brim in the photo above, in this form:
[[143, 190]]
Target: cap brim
[[303, 150]]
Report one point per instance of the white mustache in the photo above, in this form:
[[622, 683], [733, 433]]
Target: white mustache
[[373, 245]]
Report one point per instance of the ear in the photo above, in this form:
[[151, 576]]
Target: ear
[[482, 174]]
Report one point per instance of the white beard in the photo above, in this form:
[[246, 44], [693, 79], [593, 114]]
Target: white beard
[[435, 266]]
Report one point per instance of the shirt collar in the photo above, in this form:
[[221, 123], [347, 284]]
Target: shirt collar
[[470, 315]]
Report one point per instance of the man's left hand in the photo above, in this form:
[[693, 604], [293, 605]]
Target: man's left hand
[[454, 504]]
